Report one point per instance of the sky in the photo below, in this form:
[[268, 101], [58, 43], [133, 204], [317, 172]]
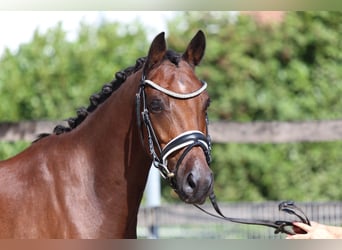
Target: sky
[[17, 27]]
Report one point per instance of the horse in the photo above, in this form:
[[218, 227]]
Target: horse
[[86, 178]]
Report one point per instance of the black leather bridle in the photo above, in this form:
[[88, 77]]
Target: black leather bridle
[[187, 141]]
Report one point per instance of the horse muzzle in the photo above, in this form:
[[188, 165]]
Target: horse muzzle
[[191, 176], [194, 179]]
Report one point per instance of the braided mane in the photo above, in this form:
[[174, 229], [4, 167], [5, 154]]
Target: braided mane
[[96, 99], [106, 91]]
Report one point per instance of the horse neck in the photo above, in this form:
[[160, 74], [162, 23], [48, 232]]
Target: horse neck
[[110, 139]]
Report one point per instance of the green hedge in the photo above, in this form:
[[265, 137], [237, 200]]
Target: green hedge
[[50, 77]]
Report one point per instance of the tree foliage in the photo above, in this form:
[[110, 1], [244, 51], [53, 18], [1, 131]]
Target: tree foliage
[[49, 77], [286, 72]]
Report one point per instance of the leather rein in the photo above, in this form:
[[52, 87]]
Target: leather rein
[[279, 225], [187, 141]]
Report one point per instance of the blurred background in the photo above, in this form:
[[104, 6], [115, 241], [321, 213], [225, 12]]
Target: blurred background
[[260, 66]]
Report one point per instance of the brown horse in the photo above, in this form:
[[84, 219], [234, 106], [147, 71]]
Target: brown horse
[[86, 180]]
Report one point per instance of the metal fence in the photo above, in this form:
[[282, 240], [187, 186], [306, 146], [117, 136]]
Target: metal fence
[[181, 221]]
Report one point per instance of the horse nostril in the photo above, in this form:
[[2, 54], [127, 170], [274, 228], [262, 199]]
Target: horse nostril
[[191, 181]]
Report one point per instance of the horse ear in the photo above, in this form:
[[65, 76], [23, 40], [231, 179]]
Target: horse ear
[[195, 50], [156, 52]]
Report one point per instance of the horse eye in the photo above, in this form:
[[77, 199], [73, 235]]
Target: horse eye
[[156, 106], [207, 104]]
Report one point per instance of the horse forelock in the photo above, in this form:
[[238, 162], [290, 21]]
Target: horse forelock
[[173, 57]]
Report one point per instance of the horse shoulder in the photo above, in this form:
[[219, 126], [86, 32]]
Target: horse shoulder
[[37, 194]]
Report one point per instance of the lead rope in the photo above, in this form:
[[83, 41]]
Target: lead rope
[[280, 225]]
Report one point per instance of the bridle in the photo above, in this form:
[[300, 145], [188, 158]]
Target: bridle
[[188, 140]]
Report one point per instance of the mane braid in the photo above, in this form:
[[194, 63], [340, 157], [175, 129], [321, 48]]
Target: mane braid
[[96, 99]]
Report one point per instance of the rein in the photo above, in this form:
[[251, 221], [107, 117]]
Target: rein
[[279, 225]]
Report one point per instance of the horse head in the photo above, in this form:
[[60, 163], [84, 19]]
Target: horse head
[[173, 109]]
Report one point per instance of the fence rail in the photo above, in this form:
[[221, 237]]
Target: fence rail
[[221, 132], [276, 132]]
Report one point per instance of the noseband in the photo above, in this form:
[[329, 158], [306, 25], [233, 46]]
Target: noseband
[[186, 140]]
